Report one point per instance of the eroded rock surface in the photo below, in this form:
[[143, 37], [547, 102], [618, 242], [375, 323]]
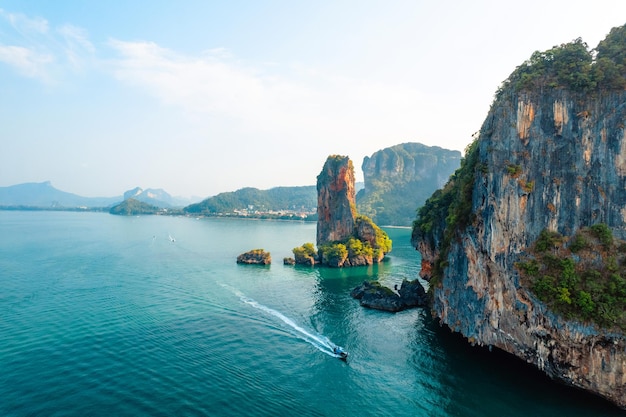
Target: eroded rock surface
[[373, 295], [336, 201], [548, 158]]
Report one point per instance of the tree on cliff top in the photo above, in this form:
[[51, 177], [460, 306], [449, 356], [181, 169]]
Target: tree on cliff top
[[573, 66]]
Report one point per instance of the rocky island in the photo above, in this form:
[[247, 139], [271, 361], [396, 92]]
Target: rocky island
[[344, 238], [255, 257], [507, 244]]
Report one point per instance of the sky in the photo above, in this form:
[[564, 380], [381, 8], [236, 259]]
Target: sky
[[199, 97]]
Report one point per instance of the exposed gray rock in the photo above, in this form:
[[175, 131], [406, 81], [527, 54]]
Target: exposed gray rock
[[553, 161], [373, 295], [400, 178]]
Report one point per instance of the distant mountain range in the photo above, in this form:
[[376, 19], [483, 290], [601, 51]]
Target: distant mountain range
[[157, 197], [43, 195], [397, 182]]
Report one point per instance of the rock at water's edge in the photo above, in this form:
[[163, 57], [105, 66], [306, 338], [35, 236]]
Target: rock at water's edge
[[546, 159], [255, 257], [373, 295]]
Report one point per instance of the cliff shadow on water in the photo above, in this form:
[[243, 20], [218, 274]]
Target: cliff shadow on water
[[488, 382]]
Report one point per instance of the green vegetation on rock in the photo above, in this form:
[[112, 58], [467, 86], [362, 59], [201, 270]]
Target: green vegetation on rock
[[357, 247], [305, 254], [132, 207], [573, 66], [381, 243], [368, 244], [449, 210], [582, 277], [333, 254], [255, 257]]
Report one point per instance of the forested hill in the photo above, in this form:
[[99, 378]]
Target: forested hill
[[297, 199], [399, 179]]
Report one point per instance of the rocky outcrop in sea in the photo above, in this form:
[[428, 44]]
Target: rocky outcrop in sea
[[336, 200], [373, 295], [344, 238], [255, 257]]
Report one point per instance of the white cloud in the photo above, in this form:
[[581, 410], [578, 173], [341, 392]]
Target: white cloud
[[289, 103], [37, 52], [207, 84], [24, 24], [29, 63], [77, 48]]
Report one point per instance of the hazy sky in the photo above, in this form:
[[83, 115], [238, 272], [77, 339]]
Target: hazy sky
[[201, 97]]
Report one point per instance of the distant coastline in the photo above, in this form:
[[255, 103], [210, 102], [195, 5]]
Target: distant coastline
[[173, 212]]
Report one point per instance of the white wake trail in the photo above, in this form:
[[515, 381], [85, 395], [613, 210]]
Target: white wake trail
[[321, 342]]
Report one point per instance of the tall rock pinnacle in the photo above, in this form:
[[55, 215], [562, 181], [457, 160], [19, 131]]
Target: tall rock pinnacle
[[336, 200]]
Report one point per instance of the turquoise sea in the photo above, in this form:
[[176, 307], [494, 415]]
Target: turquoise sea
[[103, 315]]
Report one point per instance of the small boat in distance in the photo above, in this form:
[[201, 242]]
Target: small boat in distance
[[340, 353], [172, 239]]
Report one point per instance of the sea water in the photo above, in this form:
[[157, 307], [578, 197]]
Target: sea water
[[104, 315]]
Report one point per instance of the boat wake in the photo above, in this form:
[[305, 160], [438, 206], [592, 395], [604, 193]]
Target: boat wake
[[319, 341]]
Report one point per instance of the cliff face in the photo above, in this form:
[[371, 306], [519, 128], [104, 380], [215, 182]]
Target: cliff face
[[344, 237], [336, 207], [552, 161], [400, 178]]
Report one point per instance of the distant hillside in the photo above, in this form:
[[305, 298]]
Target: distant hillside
[[399, 179], [44, 195], [131, 207], [297, 199]]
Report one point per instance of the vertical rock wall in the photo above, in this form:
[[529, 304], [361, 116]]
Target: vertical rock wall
[[400, 178], [554, 161], [336, 206]]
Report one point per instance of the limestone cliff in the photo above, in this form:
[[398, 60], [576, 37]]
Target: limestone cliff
[[400, 178], [336, 207], [551, 155], [344, 238]]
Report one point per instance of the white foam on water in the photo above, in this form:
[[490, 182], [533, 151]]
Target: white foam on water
[[319, 341]]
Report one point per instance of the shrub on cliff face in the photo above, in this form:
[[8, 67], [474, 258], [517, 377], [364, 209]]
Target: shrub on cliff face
[[582, 277], [449, 210], [358, 248], [368, 232]]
